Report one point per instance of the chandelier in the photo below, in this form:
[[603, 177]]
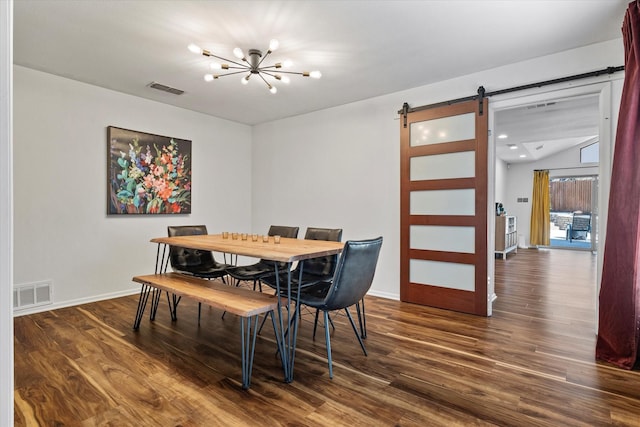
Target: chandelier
[[252, 65]]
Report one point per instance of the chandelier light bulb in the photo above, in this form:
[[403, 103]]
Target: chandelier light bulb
[[273, 45], [238, 53], [216, 66], [195, 49], [208, 77], [245, 79], [287, 64], [315, 74], [273, 89]]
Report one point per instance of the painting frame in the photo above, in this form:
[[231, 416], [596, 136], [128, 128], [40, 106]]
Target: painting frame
[[147, 174]]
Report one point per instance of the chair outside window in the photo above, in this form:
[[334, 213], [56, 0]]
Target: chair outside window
[[579, 228], [194, 262], [255, 272], [351, 281]]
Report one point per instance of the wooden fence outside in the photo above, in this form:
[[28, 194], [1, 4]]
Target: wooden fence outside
[[570, 195]]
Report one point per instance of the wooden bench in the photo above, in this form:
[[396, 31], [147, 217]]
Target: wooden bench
[[242, 302]]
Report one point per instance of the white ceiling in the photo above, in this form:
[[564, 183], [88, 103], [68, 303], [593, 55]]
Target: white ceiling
[[532, 132], [363, 48]]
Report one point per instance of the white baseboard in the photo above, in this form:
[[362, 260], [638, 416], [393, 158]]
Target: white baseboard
[[128, 292], [79, 301], [387, 295]]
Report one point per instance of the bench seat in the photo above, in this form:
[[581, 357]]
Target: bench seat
[[245, 303], [240, 301]]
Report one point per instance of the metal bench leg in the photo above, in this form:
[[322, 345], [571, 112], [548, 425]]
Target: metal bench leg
[[155, 301], [278, 342], [248, 348], [142, 303], [173, 305]]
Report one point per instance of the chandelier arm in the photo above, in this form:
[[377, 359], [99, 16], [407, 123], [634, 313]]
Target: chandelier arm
[[268, 67], [288, 72], [230, 74], [265, 80], [262, 59], [207, 53], [268, 73]]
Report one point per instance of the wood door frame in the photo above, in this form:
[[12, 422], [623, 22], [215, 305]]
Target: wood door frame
[[437, 296]]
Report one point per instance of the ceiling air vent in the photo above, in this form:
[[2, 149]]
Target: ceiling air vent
[[165, 88], [548, 104]]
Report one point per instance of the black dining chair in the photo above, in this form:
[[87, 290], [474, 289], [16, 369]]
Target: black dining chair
[[351, 281], [194, 262], [314, 270], [255, 272]]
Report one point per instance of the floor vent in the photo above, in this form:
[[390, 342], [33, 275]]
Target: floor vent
[[165, 88], [32, 295]]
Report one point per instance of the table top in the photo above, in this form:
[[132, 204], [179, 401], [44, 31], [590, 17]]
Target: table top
[[288, 250]]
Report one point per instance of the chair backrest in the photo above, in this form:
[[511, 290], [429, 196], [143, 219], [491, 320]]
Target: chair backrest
[[581, 222], [283, 231], [354, 273], [326, 265], [183, 259]]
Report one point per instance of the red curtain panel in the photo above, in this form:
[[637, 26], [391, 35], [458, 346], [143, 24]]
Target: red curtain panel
[[619, 321]]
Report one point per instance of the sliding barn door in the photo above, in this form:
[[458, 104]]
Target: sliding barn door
[[443, 251]]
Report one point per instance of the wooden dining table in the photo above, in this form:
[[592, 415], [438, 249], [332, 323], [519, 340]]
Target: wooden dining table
[[287, 251]]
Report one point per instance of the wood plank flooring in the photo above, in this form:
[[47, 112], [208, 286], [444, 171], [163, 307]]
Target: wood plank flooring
[[531, 364]]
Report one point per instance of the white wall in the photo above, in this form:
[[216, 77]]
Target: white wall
[[322, 170], [340, 167], [62, 232]]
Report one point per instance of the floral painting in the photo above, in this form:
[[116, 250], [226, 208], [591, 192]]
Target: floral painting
[[148, 174]]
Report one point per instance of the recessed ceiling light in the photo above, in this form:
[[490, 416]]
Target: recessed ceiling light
[[523, 155], [503, 136], [512, 146]]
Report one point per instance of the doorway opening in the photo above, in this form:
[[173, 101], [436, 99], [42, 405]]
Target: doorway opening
[[513, 179]]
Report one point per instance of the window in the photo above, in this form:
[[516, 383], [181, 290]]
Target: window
[[590, 153]]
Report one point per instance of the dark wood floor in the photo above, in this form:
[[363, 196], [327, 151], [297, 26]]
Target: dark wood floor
[[530, 364]]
